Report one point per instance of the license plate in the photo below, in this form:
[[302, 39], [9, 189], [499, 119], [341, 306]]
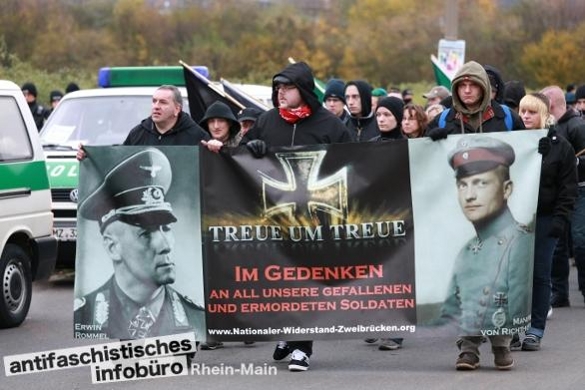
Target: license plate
[[65, 234]]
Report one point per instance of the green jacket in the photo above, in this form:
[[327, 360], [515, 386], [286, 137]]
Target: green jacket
[[491, 286]]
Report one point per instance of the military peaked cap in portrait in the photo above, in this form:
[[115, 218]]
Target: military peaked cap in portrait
[[133, 191], [478, 154]]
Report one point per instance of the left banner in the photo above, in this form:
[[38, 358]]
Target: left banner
[[139, 262]]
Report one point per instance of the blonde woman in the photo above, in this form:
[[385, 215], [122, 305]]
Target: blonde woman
[[556, 198]]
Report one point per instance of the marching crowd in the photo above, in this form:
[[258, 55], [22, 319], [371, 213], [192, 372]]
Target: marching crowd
[[479, 102]]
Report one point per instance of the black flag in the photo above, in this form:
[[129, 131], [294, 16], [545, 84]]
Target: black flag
[[242, 97], [201, 93]]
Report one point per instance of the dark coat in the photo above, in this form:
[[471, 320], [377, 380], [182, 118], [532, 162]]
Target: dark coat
[[571, 126], [493, 120], [558, 181], [185, 132], [321, 127]]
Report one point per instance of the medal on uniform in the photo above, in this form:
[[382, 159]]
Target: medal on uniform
[[476, 245], [499, 316], [102, 309], [140, 325], [178, 311]]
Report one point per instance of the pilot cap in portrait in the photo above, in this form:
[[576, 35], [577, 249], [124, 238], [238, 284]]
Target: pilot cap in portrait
[[133, 192], [479, 154]]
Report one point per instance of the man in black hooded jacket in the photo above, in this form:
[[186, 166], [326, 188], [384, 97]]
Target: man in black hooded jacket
[[297, 119], [362, 122]]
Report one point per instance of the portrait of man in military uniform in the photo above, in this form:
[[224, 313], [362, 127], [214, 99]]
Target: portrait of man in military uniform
[[136, 226], [490, 289]]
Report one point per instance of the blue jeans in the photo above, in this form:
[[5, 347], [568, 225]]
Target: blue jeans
[[541, 282]]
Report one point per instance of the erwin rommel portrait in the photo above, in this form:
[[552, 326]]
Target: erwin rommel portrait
[[136, 225]]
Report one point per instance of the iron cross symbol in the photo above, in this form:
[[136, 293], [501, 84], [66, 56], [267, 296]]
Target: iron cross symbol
[[500, 299], [303, 194]]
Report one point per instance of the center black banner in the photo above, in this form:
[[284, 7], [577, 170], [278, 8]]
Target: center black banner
[[308, 241]]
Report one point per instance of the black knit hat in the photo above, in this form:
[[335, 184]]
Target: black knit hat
[[335, 89], [514, 91], [580, 92], [55, 95], [221, 110], [30, 88], [71, 87], [395, 105]]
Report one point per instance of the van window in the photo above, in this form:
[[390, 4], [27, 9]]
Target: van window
[[14, 141]]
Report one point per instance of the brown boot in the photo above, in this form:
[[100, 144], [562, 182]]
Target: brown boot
[[503, 358], [467, 361]]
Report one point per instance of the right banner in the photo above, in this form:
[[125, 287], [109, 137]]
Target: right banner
[[474, 201]]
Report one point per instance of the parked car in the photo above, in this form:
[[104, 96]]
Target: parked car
[[27, 246]]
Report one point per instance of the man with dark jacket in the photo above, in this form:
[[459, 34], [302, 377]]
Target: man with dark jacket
[[297, 119], [473, 109], [571, 126], [39, 112], [362, 121], [167, 124]]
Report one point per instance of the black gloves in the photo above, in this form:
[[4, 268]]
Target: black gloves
[[557, 227], [257, 147], [544, 145], [438, 133]]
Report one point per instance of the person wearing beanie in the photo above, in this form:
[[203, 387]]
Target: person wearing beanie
[[362, 123], [377, 94], [407, 96], [580, 99], [496, 82], [71, 87], [513, 92], [334, 99], [389, 119], [247, 117], [54, 98], [39, 112], [221, 123]]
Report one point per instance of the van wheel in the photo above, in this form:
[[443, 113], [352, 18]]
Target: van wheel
[[16, 287]]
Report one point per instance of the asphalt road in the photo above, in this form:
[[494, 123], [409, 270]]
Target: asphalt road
[[423, 363]]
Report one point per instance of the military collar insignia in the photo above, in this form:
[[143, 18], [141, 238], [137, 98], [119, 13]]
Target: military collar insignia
[[476, 245]]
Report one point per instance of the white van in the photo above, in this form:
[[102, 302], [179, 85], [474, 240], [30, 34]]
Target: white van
[[27, 245]]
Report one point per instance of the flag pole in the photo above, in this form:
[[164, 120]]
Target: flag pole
[[213, 87]]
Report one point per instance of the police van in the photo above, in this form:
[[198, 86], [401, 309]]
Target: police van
[[100, 116], [28, 247]]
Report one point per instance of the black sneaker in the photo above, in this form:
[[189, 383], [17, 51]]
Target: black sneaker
[[281, 351], [515, 344], [299, 361], [212, 345], [531, 343], [560, 302]]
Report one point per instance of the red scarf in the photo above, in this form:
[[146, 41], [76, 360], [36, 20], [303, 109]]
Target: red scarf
[[296, 114]]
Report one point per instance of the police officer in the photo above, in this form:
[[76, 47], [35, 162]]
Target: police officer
[[490, 286], [135, 222], [39, 112]]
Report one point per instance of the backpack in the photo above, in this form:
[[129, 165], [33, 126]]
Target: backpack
[[508, 117]]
